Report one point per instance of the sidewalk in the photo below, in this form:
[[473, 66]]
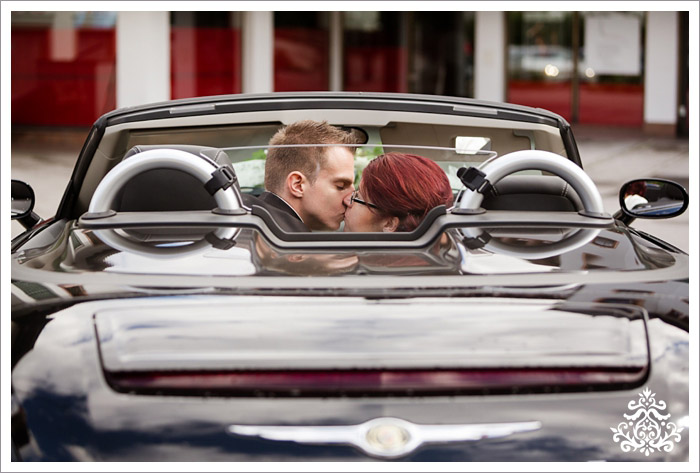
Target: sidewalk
[[45, 160], [611, 156]]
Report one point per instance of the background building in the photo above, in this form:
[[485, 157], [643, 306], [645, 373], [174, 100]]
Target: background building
[[627, 69]]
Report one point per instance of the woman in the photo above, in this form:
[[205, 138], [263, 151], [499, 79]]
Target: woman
[[395, 193]]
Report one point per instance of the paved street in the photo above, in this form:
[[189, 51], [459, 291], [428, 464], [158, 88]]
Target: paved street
[[610, 156]]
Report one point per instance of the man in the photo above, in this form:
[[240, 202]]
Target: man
[[307, 187]]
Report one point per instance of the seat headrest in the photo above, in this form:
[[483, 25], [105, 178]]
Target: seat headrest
[[169, 189], [532, 192], [215, 154]]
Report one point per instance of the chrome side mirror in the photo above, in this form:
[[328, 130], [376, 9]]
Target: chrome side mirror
[[23, 203], [651, 198]]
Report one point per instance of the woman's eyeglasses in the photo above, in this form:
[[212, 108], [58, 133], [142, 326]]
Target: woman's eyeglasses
[[354, 198]]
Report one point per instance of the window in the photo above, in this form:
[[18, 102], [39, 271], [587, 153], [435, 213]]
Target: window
[[301, 51], [442, 53], [205, 53], [540, 63], [375, 53], [63, 67], [586, 66], [611, 90]]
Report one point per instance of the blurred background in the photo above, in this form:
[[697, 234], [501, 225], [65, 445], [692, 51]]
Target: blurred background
[[617, 77]]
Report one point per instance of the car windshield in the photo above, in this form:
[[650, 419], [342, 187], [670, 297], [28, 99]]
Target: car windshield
[[249, 161]]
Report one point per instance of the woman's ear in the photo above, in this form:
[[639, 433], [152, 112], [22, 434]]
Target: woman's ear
[[390, 224], [295, 184]]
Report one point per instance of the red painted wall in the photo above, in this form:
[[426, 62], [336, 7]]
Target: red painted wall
[[204, 61], [376, 69], [599, 104], [611, 104], [554, 96], [49, 91], [301, 59]]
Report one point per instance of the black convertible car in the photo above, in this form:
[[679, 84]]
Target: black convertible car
[[153, 320]]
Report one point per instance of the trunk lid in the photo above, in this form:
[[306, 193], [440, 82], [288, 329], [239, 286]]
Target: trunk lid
[[290, 346]]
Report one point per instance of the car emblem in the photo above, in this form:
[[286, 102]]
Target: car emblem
[[384, 437]]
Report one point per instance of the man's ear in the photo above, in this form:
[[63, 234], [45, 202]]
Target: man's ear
[[390, 224], [295, 184]]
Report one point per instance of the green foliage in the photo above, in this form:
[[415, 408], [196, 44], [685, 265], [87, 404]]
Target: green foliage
[[259, 154], [362, 158]]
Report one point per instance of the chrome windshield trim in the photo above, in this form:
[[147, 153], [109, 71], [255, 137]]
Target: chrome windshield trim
[[383, 437]]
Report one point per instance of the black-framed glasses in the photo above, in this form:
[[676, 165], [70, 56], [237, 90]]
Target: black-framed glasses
[[354, 198]]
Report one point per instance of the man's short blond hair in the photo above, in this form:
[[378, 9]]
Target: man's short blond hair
[[307, 160]]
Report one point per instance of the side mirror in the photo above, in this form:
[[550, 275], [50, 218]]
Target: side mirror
[[23, 203], [651, 198]]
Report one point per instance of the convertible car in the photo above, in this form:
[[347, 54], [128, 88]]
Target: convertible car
[[157, 317]]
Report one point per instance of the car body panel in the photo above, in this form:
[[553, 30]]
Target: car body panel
[[60, 382]]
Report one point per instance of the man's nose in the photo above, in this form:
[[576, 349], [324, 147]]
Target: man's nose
[[346, 200]]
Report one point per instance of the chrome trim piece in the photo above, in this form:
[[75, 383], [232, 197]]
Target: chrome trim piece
[[383, 437]]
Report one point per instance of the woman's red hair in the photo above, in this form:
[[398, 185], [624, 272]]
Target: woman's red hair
[[406, 186]]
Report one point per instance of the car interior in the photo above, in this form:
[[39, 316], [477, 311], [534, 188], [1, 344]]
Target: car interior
[[243, 136]]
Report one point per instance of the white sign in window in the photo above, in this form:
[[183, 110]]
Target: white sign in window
[[612, 44]]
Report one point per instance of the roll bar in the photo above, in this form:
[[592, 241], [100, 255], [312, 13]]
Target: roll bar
[[496, 168], [199, 167]]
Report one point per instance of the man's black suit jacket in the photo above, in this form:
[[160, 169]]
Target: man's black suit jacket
[[283, 214]]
